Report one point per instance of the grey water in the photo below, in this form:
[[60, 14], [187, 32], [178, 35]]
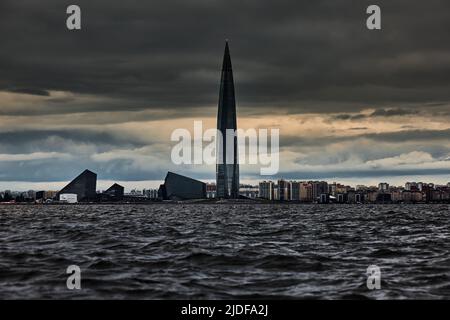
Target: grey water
[[225, 251]]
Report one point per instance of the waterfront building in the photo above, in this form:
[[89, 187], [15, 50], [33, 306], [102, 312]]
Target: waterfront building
[[249, 191], [227, 167], [284, 190], [150, 193], [396, 195], [115, 192], [68, 198], [295, 191], [372, 195], [342, 197], [84, 186], [411, 186], [359, 197], [266, 190], [178, 187], [383, 187], [276, 195], [319, 188], [211, 190], [306, 193]]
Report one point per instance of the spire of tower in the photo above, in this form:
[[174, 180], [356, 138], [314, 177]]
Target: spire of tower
[[226, 66]]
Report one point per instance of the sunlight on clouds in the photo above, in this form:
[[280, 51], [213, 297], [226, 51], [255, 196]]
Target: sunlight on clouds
[[34, 156]]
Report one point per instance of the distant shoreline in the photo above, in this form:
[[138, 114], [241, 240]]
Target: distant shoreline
[[231, 202]]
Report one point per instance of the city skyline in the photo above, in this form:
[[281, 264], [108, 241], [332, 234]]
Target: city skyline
[[351, 104], [83, 188], [103, 185]]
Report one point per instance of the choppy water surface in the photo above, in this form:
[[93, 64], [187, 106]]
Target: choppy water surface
[[225, 251]]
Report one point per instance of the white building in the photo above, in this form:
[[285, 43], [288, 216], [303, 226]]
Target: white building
[[68, 198]]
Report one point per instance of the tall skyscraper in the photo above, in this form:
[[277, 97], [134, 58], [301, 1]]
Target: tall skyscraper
[[227, 167]]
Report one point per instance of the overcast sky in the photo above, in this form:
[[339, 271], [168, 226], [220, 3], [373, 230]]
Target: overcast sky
[[351, 104]]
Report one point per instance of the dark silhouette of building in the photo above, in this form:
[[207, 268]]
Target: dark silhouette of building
[[84, 186], [384, 198], [227, 167], [342, 197], [319, 188], [114, 193], [178, 187], [40, 195]]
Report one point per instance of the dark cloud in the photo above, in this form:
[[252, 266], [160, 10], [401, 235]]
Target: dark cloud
[[393, 112], [390, 112], [66, 170], [47, 140], [410, 136], [345, 116], [158, 54], [37, 92], [77, 148], [358, 128]]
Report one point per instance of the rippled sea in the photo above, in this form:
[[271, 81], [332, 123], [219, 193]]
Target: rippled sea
[[225, 251]]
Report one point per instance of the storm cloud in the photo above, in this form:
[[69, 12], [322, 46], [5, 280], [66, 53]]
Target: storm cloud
[[161, 54]]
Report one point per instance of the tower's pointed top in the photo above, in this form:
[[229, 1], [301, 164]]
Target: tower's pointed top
[[226, 66]]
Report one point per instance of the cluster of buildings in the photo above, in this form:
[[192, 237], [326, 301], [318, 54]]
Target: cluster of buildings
[[323, 192], [81, 189], [178, 188], [18, 196]]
